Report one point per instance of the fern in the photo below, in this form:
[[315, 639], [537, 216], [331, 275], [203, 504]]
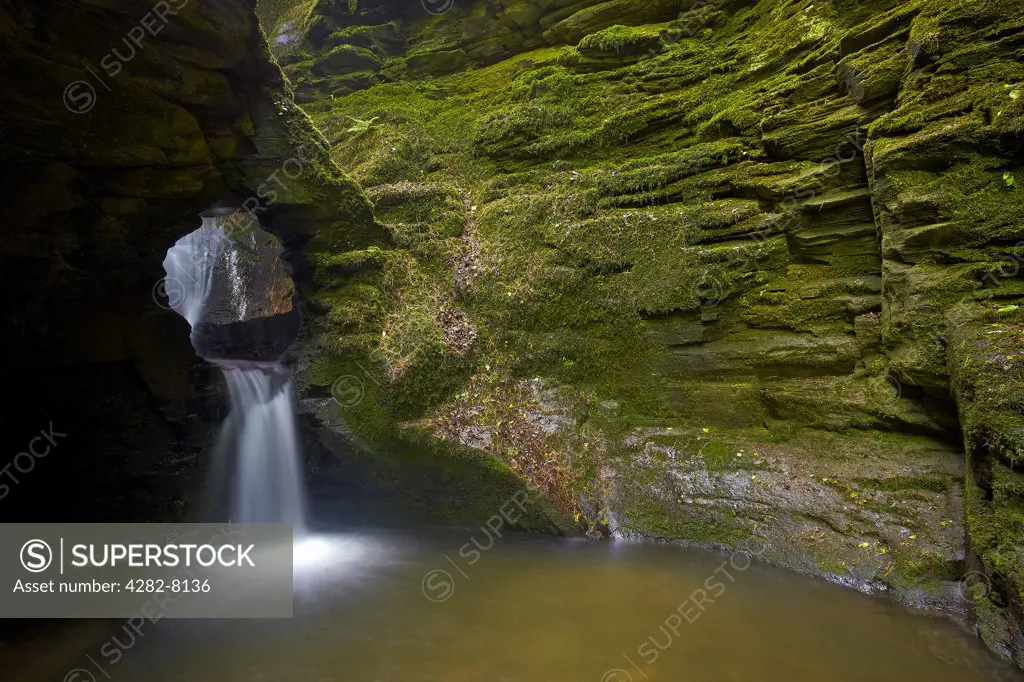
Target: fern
[[361, 126]]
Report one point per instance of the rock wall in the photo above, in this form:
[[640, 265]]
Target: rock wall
[[699, 272]]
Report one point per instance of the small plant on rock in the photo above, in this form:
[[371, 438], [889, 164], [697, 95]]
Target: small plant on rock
[[360, 125]]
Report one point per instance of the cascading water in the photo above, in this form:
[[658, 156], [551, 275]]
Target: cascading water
[[190, 265], [259, 448], [226, 279]]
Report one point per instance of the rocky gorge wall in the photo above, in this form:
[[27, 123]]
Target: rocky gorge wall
[[699, 272]]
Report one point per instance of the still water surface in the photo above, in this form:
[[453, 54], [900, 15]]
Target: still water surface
[[388, 606]]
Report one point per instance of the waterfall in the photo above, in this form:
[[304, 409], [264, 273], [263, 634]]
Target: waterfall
[[227, 275], [190, 265], [256, 460]]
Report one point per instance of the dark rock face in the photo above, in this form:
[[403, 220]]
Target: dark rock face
[[261, 339]]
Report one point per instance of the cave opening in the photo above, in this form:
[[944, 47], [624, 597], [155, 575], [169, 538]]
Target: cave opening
[[228, 281]]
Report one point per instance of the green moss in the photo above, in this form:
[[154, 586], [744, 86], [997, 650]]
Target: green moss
[[622, 40], [717, 455], [938, 484], [379, 39], [662, 520], [351, 261], [516, 129], [833, 566]]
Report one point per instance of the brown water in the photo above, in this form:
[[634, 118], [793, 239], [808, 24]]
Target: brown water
[[375, 607]]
